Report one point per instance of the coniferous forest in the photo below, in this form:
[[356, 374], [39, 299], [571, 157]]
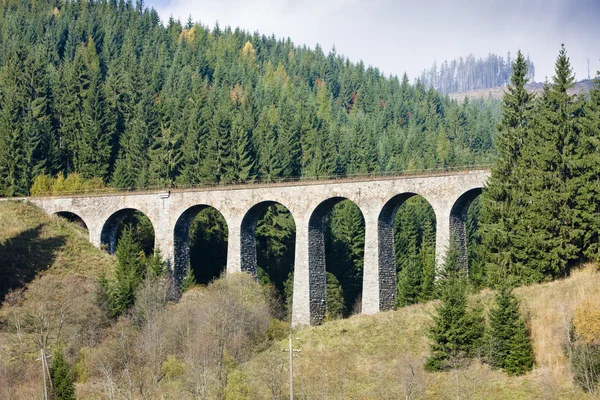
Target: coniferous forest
[[103, 89], [103, 94]]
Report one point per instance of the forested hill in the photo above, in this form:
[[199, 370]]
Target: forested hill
[[104, 89]]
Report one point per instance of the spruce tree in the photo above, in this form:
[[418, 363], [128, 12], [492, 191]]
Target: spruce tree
[[129, 273], [93, 157], [457, 331], [335, 298], [510, 346], [552, 227], [63, 383], [409, 282], [503, 202]]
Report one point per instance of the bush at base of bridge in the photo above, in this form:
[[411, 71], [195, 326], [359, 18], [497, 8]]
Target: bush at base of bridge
[[45, 185]]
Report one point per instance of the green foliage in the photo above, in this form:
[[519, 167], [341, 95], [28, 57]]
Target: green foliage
[[510, 346], [128, 274], [458, 331], [208, 245], [188, 281], [63, 383], [414, 239], [345, 242], [539, 214], [112, 93], [276, 236], [44, 185], [335, 298]]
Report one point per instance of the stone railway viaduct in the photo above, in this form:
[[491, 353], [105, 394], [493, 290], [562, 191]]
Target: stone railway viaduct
[[171, 214]]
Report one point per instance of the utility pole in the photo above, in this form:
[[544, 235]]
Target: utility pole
[[291, 369], [588, 61], [291, 351], [45, 371]]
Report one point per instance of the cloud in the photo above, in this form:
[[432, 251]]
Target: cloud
[[398, 36]]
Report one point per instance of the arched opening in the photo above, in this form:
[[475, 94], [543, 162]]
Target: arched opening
[[268, 239], [336, 234], [114, 225], [406, 251], [200, 240], [73, 218], [464, 228]]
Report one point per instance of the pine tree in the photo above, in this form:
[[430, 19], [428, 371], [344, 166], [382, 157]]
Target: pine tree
[[458, 331], [503, 200], [63, 383], [409, 282], [188, 281], [165, 156], [129, 272], [240, 167], [335, 298], [551, 224], [197, 114], [510, 345], [14, 143], [93, 156], [427, 259]]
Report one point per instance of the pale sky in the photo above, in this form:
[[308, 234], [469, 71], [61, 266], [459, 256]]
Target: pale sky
[[407, 36]]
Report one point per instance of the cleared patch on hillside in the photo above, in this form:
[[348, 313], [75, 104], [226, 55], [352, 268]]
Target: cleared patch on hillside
[[32, 242]]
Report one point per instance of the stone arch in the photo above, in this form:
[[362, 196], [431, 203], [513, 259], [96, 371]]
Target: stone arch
[[248, 254], [317, 258], [181, 240], [110, 229], [458, 231], [386, 253], [72, 217]]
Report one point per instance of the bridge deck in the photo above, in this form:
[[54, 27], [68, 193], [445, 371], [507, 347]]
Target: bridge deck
[[258, 184]]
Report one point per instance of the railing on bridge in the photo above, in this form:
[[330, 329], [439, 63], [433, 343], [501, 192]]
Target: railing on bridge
[[270, 182]]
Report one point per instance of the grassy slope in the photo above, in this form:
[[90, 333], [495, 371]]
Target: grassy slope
[[361, 357], [32, 242], [368, 357]]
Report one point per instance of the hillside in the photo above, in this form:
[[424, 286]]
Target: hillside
[[497, 92], [362, 357], [122, 98], [381, 356], [31, 242]]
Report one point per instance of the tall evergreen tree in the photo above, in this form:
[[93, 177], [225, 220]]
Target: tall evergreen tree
[[458, 330], [503, 204], [551, 224], [510, 346], [129, 272], [94, 149], [14, 143]]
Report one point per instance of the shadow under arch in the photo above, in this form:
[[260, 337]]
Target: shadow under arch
[[317, 257], [388, 278], [73, 218], [181, 240], [110, 229], [248, 244], [458, 230]]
